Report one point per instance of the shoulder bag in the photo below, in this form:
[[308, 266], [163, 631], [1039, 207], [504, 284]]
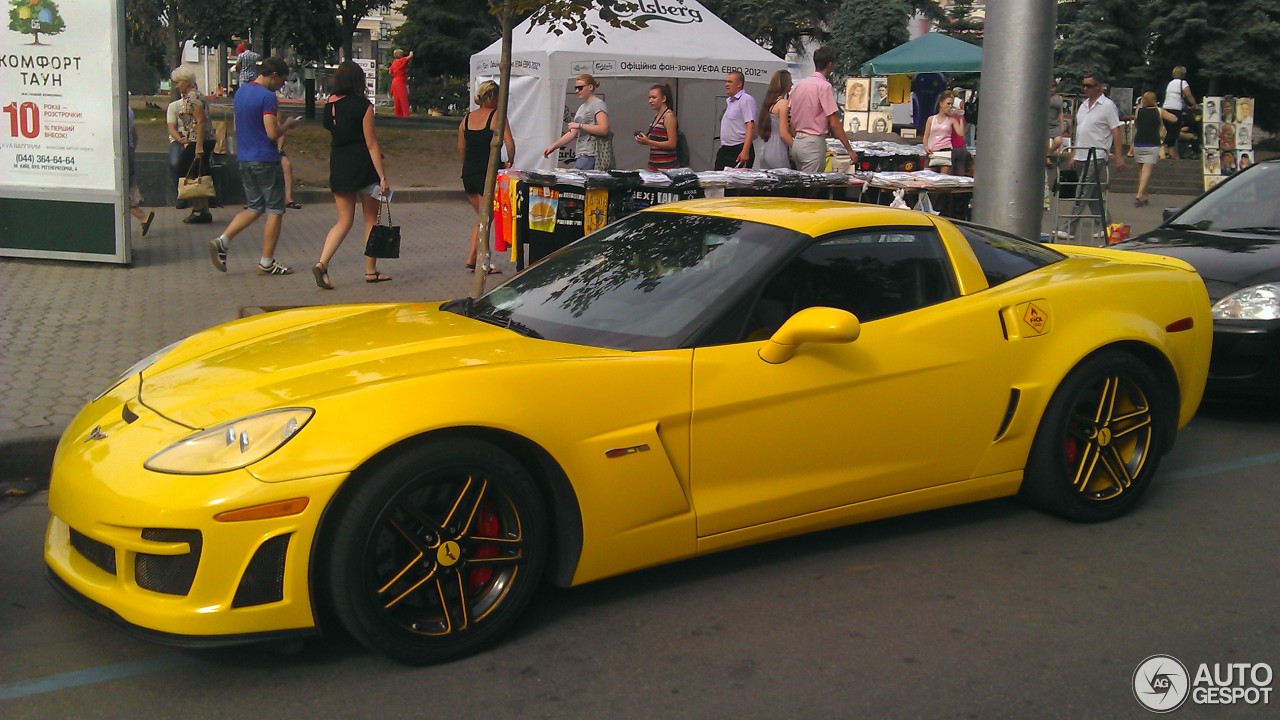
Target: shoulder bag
[[603, 145], [384, 240], [195, 186]]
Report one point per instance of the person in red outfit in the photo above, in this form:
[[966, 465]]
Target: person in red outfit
[[399, 82]]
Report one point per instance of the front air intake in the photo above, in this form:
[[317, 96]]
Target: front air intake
[[263, 580], [168, 574]]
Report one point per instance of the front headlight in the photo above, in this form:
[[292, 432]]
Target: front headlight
[[232, 445], [137, 367], [1260, 302]]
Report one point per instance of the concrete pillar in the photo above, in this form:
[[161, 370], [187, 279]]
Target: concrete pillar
[[1017, 65]]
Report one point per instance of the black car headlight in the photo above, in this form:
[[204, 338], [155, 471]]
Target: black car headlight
[[1260, 302]]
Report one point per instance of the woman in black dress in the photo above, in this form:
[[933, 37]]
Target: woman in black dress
[[355, 167], [475, 133]]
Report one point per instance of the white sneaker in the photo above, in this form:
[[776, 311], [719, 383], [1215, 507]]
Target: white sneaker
[[1062, 235], [275, 268]]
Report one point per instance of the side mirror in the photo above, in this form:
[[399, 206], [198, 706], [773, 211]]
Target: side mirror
[[811, 325], [1168, 214]]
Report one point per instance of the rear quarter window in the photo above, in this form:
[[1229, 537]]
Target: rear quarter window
[[1004, 257]]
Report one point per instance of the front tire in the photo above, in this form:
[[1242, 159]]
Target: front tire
[[438, 552], [1100, 440]]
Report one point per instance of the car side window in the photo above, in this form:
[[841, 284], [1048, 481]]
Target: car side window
[[871, 273], [1004, 257]]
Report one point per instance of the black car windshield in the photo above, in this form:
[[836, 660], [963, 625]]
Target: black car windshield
[[1245, 203], [647, 282]]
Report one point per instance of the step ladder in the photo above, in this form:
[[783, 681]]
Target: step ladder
[[1079, 209]]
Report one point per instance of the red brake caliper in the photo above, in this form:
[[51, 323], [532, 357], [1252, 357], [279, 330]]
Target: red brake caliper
[[1071, 449], [486, 525]]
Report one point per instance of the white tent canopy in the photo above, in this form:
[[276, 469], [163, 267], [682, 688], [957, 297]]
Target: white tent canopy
[[683, 44]]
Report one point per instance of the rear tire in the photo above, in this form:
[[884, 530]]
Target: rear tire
[[438, 552], [1100, 440]]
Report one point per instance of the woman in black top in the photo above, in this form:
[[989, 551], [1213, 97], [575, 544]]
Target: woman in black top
[[355, 168], [475, 133], [1146, 141]]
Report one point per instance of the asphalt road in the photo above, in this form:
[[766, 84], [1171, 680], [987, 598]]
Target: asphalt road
[[985, 611]]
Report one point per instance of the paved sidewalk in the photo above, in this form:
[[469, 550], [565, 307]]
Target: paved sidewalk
[[67, 328]]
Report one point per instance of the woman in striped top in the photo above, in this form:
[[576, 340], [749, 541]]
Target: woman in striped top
[[662, 136]]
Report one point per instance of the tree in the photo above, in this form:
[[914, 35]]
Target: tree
[[558, 16], [962, 24], [862, 30], [443, 35], [780, 26], [35, 18], [349, 13], [1100, 35]]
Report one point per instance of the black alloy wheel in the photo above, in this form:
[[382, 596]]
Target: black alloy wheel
[[1100, 440], [439, 552]]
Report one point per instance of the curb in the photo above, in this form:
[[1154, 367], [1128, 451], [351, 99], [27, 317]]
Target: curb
[[409, 195], [26, 456]]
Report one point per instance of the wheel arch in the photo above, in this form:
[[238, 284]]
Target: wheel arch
[[552, 483]]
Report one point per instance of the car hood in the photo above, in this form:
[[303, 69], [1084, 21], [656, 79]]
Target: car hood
[[1227, 261], [296, 357]]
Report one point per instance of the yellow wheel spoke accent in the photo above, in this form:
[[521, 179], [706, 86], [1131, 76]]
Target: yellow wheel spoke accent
[[496, 560], [407, 592], [1085, 467]]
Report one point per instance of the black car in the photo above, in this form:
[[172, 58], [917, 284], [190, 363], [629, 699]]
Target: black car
[[1231, 235]]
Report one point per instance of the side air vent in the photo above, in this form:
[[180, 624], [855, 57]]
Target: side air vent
[[1015, 395]]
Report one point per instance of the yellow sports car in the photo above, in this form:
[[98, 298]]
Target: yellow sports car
[[695, 377]]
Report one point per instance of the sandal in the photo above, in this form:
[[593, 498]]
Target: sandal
[[321, 272], [146, 224], [471, 266], [491, 270], [375, 277], [293, 205]]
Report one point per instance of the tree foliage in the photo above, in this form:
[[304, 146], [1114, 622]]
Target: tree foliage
[[962, 23], [444, 34], [779, 26], [862, 30]]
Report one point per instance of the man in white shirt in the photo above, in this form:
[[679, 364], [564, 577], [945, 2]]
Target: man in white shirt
[[737, 125], [1097, 123]]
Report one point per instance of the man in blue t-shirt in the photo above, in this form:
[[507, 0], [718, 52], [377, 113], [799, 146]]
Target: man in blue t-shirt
[[257, 130]]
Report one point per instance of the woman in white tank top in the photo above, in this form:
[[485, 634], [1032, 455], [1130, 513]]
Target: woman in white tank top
[[1174, 94]]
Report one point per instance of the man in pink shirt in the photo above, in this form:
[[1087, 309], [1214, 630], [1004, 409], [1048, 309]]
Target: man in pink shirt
[[813, 113]]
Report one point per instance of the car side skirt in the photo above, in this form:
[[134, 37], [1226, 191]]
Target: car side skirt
[[957, 493]]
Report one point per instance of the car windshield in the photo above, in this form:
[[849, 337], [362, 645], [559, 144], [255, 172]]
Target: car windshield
[[647, 282], [1244, 203]]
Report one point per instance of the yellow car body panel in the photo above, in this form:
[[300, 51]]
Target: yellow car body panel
[[666, 454]]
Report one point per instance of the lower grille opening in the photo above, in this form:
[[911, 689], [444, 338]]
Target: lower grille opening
[[169, 574], [263, 580], [100, 554]]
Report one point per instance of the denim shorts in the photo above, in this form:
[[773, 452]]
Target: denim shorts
[[263, 186]]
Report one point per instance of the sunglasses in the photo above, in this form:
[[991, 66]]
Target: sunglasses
[[579, 87]]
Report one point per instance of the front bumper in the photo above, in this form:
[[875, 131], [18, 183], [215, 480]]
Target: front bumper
[[146, 550], [1246, 359]]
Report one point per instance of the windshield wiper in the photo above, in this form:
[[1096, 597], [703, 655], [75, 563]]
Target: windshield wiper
[[1260, 229], [461, 306], [494, 318], [1202, 225]]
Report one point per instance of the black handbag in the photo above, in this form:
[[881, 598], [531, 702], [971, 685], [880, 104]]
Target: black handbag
[[384, 240]]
